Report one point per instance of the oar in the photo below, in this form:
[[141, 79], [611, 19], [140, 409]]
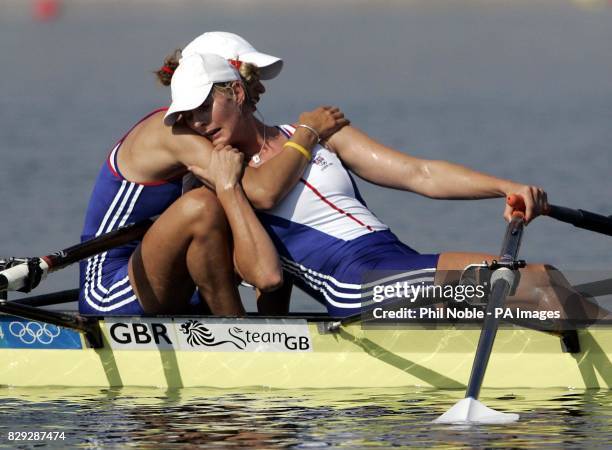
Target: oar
[[594, 288], [503, 279], [86, 325], [29, 273], [53, 298], [581, 219]]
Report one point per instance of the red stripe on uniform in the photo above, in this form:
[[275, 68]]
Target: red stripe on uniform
[[341, 211], [110, 167]]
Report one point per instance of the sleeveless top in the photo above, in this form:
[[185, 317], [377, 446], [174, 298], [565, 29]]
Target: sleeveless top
[[115, 202], [328, 240]]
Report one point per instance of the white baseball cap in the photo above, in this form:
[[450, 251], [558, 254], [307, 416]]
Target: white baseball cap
[[193, 80], [233, 47]]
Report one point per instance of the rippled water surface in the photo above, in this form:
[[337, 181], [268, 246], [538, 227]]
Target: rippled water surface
[[346, 418]]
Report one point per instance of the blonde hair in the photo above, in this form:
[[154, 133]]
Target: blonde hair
[[248, 72]]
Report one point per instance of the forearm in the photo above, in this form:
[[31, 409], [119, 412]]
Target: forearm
[[254, 254], [267, 185], [445, 180]]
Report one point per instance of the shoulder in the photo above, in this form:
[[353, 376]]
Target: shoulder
[[174, 139], [182, 139], [149, 131]]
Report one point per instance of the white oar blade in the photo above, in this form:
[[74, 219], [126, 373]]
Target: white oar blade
[[470, 410]]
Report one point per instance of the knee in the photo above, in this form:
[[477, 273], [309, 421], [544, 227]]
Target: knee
[[543, 274], [543, 267], [544, 283], [269, 281], [202, 212]]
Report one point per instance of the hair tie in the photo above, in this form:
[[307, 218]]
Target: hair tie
[[234, 62], [167, 69]]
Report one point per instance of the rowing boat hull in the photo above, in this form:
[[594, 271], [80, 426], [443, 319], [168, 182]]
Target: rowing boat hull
[[294, 353]]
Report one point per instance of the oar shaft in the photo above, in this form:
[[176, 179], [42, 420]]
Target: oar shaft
[[502, 281], [85, 325], [499, 292], [582, 219], [16, 277], [97, 245], [512, 239], [53, 298]]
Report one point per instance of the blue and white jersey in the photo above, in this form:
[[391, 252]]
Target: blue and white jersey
[[115, 202], [327, 200], [328, 239]]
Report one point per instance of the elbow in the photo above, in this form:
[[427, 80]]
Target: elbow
[[264, 199], [264, 204], [425, 180]]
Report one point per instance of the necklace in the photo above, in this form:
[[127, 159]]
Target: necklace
[[256, 158]]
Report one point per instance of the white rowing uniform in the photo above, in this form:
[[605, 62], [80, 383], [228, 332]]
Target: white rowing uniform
[[333, 245]]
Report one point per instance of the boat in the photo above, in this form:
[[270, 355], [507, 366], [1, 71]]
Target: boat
[[296, 351], [48, 348]]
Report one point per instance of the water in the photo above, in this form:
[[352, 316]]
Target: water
[[343, 418], [518, 89]]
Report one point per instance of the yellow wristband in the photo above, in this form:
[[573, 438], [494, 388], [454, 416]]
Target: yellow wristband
[[300, 149]]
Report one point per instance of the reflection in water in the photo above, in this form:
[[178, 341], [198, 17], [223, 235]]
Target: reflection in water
[[315, 418]]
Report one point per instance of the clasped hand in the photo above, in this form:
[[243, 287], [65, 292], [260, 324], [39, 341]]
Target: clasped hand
[[224, 169]]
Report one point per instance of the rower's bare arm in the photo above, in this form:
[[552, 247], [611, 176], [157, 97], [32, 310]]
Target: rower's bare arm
[[437, 179], [255, 257], [153, 152], [268, 184]]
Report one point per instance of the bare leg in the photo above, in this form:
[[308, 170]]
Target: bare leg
[[276, 303], [188, 246], [541, 287]]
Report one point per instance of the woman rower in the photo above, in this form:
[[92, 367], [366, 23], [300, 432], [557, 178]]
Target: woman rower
[[329, 240], [190, 245]]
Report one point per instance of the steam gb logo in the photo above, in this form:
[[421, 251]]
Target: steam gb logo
[[198, 334], [244, 336], [19, 333]]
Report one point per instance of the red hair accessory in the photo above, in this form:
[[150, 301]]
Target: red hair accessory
[[168, 70], [234, 62]]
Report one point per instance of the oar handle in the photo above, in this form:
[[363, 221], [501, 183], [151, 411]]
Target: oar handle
[[518, 203], [578, 217]]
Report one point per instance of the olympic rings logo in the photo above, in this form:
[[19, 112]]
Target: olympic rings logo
[[32, 332]]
